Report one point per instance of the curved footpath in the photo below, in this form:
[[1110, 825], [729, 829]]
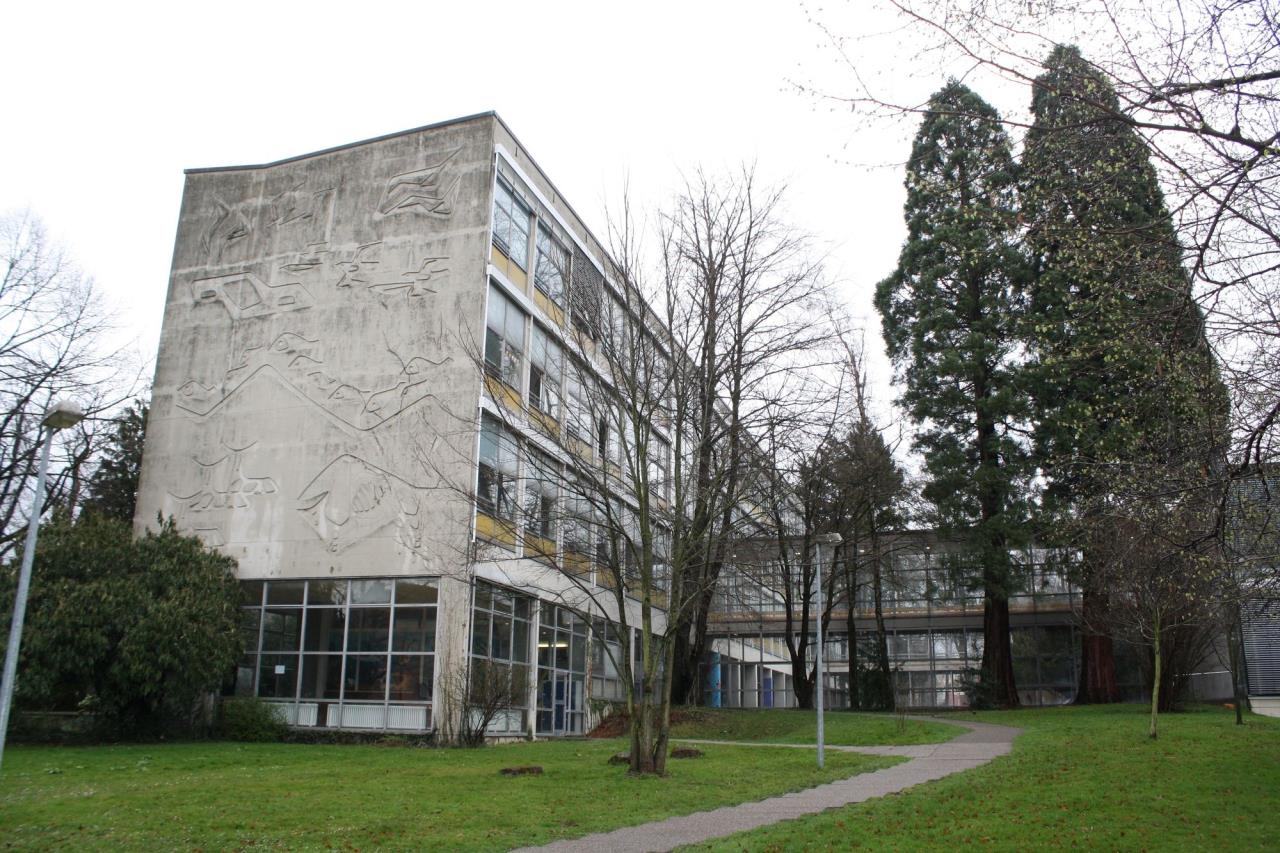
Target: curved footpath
[[983, 742]]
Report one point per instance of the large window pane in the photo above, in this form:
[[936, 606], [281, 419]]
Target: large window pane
[[411, 677], [370, 629], [366, 677], [326, 592], [501, 648], [416, 592], [249, 619], [281, 630], [285, 592], [325, 628], [480, 633], [520, 642], [251, 592], [321, 676], [371, 591], [278, 676], [415, 630]]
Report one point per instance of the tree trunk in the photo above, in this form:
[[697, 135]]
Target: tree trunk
[[855, 700], [1097, 652], [1236, 658], [887, 697], [1155, 680], [644, 740], [997, 659]]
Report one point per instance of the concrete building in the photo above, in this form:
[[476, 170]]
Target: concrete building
[[319, 414]]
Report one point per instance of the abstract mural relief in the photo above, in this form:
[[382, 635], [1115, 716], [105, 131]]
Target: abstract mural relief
[[224, 485], [292, 384], [296, 361], [310, 211], [352, 499], [244, 295], [430, 191], [231, 227]]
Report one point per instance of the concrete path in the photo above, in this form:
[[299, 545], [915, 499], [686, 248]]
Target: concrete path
[[976, 747]]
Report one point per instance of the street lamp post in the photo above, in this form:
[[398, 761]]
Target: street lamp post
[[832, 539], [60, 415]]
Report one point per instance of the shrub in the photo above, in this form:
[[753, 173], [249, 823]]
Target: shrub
[[250, 719]]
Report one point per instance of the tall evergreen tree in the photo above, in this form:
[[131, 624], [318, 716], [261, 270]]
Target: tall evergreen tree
[[950, 314], [1123, 380], [113, 487]]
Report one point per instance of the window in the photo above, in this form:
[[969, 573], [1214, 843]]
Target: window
[[541, 488], [578, 528], [552, 269], [337, 653], [504, 339], [585, 296], [562, 664], [545, 360], [500, 650], [659, 467], [495, 482], [578, 421], [662, 559], [510, 225]]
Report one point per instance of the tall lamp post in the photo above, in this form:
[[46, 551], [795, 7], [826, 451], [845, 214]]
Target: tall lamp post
[[832, 540], [59, 416]]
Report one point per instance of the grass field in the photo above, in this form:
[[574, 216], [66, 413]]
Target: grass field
[[1078, 778], [219, 796], [787, 726]]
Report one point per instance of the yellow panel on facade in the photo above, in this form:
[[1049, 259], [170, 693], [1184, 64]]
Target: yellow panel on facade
[[495, 530], [509, 267], [552, 310], [501, 393]]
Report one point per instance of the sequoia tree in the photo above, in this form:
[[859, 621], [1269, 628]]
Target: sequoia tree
[[1124, 384], [951, 318]]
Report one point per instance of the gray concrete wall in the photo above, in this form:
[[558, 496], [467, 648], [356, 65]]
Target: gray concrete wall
[[315, 392]]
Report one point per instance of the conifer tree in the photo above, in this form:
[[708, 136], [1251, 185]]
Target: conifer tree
[[113, 487], [951, 313], [1124, 384]]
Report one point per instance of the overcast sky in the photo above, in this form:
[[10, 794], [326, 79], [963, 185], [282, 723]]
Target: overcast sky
[[108, 103]]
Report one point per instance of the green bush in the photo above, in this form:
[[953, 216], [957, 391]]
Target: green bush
[[248, 718], [137, 632]]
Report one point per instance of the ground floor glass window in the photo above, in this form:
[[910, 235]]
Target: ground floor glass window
[[341, 653]]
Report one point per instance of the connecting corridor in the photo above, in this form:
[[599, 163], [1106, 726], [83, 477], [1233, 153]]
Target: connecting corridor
[[982, 743]]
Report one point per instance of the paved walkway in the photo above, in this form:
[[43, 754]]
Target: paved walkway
[[976, 747]]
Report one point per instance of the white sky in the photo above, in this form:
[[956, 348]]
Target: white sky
[[107, 103]]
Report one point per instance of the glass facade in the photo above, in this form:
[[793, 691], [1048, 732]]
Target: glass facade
[[562, 666], [341, 653], [501, 626]]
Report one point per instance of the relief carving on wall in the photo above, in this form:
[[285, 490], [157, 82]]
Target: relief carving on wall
[[244, 295], [296, 361], [224, 485], [352, 499], [431, 191]]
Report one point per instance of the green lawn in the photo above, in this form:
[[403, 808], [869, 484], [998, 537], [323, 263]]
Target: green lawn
[[1081, 778], [779, 726], [218, 796]]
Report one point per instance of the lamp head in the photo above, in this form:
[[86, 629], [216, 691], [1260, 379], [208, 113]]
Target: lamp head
[[829, 539], [61, 415]]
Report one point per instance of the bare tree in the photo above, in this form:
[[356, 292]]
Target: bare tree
[[54, 342], [1164, 569], [638, 427], [481, 691]]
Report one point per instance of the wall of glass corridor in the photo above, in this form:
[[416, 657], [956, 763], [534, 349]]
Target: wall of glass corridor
[[355, 654], [915, 579], [930, 667]]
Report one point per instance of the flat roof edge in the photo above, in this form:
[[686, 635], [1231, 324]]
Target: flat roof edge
[[208, 169]]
